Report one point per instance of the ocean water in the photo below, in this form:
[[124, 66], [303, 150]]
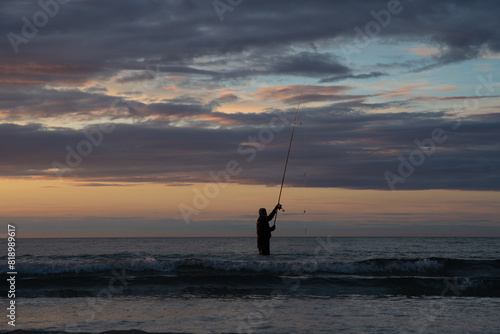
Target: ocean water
[[222, 285]]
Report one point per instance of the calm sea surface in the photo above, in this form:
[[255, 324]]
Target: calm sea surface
[[222, 285]]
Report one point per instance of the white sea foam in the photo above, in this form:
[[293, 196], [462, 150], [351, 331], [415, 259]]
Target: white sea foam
[[272, 267]]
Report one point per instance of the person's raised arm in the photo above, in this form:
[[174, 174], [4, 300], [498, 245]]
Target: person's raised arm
[[276, 208]]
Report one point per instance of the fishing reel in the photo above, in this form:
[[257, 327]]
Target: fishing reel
[[280, 207]]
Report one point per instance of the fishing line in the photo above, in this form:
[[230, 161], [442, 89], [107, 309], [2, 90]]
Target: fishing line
[[304, 133]]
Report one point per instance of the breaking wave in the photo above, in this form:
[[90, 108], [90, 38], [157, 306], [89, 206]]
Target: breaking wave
[[427, 266]]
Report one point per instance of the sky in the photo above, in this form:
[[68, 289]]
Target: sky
[[173, 118]]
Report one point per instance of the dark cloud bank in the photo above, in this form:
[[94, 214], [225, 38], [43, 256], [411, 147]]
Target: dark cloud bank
[[83, 39], [336, 149]]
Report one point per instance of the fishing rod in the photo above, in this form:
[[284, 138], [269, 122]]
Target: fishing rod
[[289, 148]]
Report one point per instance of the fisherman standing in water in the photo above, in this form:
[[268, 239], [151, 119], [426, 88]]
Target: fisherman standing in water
[[264, 230]]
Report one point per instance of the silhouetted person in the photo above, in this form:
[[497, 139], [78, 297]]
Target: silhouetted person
[[264, 230]]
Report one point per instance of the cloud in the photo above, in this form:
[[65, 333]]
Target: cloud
[[306, 63], [178, 35], [349, 150], [95, 184], [291, 94], [447, 89], [38, 73], [94, 105], [402, 91], [35, 101], [375, 74], [424, 51], [227, 97]]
